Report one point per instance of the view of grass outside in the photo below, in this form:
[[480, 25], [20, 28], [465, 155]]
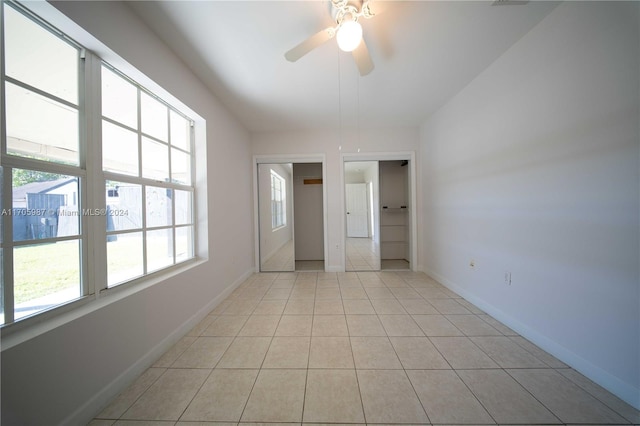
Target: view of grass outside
[[44, 269]]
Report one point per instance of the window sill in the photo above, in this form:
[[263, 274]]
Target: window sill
[[30, 328]]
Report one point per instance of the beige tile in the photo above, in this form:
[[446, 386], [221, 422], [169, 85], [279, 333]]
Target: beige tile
[[436, 325], [332, 293], [226, 325], [221, 306], [203, 353], [612, 401], [277, 294], [358, 306], [330, 352], [365, 325], [303, 293], [504, 398], [202, 325], [328, 307], [388, 397], [506, 353], [374, 353], [329, 325], [277, 396], [167, 398], [222, 396], [260, 325], [461, 352], [353, 293], [431, 293], [471, 325], [543, 356], [174, 352], [144, 423], [387, 307], [245, 352], [405, 293], [449, 307], [446, 399], [299, 307], [294, 325], [497, 325], [270, 307], [332, 396], [288, 352], [241, 307], [471, 307], [566, 400], [417, 306], [379, 293], [400, 325], [101, 422], [418, 353], [128, 396], [252, 293]]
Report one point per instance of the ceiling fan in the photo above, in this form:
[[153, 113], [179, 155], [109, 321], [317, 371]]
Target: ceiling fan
[[347, 31]]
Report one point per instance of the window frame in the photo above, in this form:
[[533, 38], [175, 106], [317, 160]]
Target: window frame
[[91, 189]]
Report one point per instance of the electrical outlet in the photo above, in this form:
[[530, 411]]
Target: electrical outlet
[[507, 278]]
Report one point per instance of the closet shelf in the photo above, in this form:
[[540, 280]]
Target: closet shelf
[[394, 208]]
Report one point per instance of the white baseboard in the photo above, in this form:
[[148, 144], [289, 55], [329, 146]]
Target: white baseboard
[[623, 390], [95, 404]]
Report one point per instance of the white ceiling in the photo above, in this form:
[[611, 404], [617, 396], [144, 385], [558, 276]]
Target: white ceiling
[[424, 53]]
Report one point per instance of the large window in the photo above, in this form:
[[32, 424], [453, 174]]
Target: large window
[[50, 158], [278, 201], [146, 157]]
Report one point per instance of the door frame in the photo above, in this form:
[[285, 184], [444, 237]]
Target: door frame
[[310, 158], [384, 156]]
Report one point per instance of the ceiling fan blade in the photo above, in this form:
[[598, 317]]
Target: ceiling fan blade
[[362, 58], [309, 44]]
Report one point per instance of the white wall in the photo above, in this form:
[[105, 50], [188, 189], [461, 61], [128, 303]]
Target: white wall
[[534, 169], [67, 374], [328, 143]]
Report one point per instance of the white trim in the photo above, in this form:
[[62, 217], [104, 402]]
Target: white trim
[[623, 390], [289, 158], [383, 156], [95, 404]]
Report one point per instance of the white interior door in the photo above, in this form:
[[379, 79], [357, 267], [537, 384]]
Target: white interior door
[[357, 210]]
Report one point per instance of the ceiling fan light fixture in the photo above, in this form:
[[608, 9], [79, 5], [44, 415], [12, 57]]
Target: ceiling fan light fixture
[[349, 35]]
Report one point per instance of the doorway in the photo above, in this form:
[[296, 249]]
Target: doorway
[[290, 216], [362, 246], [379, 223]]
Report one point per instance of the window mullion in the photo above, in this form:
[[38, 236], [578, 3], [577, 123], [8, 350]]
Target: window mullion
[[143, 186], [91, 146]]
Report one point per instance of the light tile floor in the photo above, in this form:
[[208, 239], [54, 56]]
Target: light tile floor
[[357, 348]]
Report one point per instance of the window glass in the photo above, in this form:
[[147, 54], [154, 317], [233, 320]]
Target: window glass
[[124, 206], [124, 257], [39, 127], [154, 117], [158, 205], [38, 58], [180, 132], [159, 249], [119, 149], [45, 275], [45, 205], [180, 167], [119, 99], [155, 160]]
